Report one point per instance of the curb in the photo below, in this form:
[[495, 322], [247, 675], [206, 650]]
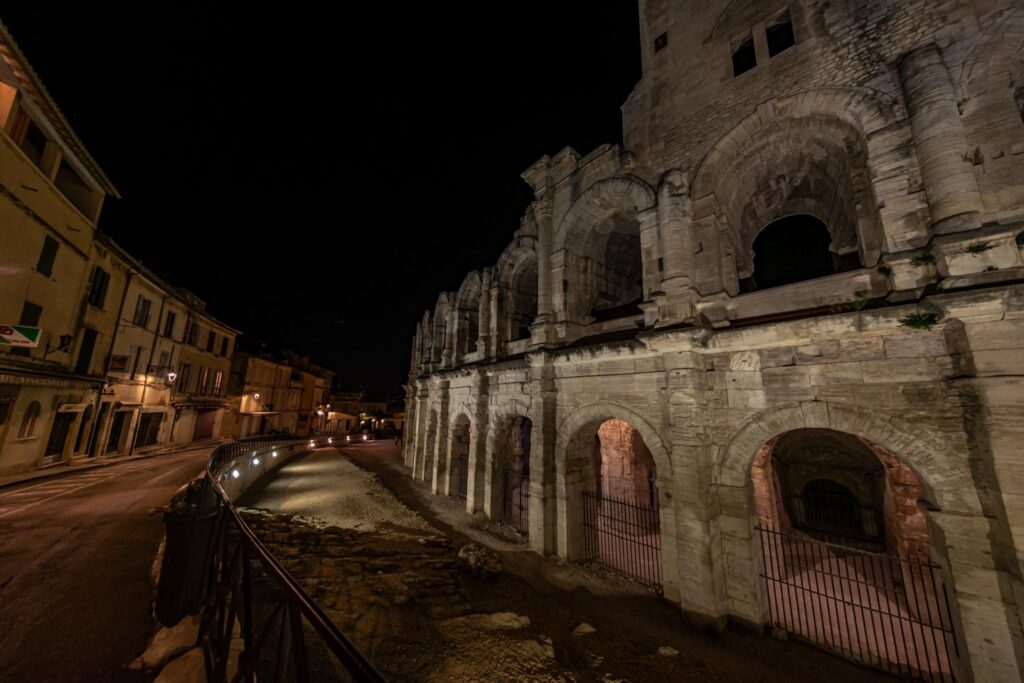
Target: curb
[[59, 471]]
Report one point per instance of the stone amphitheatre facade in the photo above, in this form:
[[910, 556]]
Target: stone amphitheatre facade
[[785, 317]]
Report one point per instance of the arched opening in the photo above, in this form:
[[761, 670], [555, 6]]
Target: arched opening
[[468, 315], [458, 485], [616, 268], [794, 249], [511, 475], [848, 563], [612, 509], [522, 300]]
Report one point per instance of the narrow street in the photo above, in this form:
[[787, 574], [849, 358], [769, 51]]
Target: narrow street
[[75, 560], [638, 636]]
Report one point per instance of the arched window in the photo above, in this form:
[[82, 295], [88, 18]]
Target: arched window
[[28, 420], [794, 249]]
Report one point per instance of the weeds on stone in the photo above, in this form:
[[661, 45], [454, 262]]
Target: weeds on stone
[[920, 321], [977, 248], [923, 259]]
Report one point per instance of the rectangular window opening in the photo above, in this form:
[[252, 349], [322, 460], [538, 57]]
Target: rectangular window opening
[[744, 58], [660, 42], [47, 256], [780, 34]]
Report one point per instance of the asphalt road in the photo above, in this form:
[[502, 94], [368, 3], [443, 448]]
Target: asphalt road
[[75, 557]]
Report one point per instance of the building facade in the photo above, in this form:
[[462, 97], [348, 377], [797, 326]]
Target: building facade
[[123, 359], [51, 194], [167, 372], [781, 325], [272, 396]]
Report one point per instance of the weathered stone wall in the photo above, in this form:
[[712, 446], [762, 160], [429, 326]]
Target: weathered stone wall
[[898, 126]]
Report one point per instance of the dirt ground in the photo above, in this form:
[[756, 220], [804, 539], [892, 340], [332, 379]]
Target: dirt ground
[[402, 597]]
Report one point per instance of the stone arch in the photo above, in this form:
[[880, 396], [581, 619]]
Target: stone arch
[[499, 457], [577, 433], [440, 347], [458, 462], [809, 153], [516, 277], [598, 262], [927, 455], [467, 312]]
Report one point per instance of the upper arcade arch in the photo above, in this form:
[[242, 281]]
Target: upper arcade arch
[[598, 261]]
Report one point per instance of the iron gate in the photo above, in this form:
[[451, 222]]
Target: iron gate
[[517, 499], [878, 609], [623, 535]]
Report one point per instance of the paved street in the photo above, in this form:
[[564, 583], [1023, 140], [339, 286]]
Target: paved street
[[75, 557]]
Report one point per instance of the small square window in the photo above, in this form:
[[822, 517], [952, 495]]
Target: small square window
[[780, 34], [744, 58], [660, 42]]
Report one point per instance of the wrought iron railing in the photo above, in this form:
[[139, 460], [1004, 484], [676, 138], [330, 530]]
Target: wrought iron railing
[[274, 629], [624, 534]]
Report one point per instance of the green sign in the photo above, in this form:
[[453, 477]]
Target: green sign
[[19, 335]]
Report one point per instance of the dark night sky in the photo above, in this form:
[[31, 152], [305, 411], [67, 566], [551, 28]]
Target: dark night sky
[[318, 178]]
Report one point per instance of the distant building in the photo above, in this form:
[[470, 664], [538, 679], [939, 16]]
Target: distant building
[[272, 396]]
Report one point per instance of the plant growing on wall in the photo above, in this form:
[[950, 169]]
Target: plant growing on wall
[[920, 321], [923, 259], [977, 248]]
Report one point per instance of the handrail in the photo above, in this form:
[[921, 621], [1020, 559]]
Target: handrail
[[235, 580]]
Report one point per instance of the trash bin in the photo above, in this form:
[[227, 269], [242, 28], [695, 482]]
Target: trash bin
[[190, 524]]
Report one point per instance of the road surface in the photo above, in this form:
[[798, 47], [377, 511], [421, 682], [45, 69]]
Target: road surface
[[75, 557]]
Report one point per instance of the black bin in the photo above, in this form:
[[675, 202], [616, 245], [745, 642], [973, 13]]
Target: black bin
[[188, 551]]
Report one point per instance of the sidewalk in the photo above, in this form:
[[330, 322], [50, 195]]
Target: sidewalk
[[66, 469]]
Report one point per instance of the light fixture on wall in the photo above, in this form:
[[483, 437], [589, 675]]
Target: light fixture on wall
[[171, 376], [256, 396]]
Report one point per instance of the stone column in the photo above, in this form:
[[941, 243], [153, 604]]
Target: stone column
[[484, 316], [480, 429], [541, 330], [438, 476], [422, 417], [543, 498], [675, 226], [497, 322], [939, 139], [448, 343]]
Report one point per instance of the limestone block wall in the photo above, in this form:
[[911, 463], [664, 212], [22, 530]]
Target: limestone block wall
[[941, 403]]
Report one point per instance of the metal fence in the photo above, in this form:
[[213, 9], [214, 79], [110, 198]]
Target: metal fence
[[517, 499], [837, 518], [624, 535], [885, 611], [273, 624]]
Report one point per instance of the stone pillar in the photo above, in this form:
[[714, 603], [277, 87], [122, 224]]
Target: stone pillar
[[946, 169], [480, 429], [675, 226], [409, 427], [437, 476], [422, 418], [541, 330], [497, 322], [484, 336], [543, 497]]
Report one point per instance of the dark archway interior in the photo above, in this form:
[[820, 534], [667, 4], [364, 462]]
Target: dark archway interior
[[522, 298], [621, 287], [794, 249], [833, 486]]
